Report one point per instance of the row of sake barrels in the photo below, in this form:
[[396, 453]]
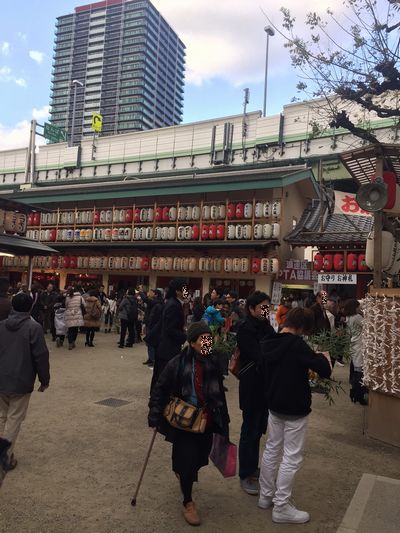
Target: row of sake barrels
[[242, 210], [336, 262], [239, 210], [259, 231], [204, 264], [17, 261], [143, 233]]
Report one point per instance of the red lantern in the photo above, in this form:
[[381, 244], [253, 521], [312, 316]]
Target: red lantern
[[30, 219], [352, 262], [52, 235], [158, 215], [96, 218], [362, 265], [195, 233], [145, 263], [212, 232], [73, 261], [36, 219], [54, 261], [165, 214], [239, 210], [67, 261], [231, 211], [338, 262], [128, 216], [328, 262], [204, 232], [255, 265], [136, 215], [220, 232], [318, 261]]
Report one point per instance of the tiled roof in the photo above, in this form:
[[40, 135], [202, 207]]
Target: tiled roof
[[338, 228]]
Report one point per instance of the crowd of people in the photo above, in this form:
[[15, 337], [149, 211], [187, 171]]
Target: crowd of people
[[183, 336]]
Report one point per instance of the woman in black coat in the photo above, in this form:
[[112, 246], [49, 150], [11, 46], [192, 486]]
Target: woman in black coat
[[251, 333], [172, 334], [194, 376]]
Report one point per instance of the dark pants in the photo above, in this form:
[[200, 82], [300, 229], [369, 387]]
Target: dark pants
[[151, 353], [72, 334], [139, 331], [127, 325], [109, 319], [249, 444], [89, 335], [159, 365]]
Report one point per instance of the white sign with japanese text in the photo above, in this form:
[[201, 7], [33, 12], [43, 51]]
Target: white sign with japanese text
[[346, 203], [337, 279], [276, 293]]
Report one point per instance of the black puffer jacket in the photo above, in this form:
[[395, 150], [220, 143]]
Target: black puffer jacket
[[176, 380], [172, 330], [251, 333]]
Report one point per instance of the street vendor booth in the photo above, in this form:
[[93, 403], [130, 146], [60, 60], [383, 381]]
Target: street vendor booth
[[377, 171]]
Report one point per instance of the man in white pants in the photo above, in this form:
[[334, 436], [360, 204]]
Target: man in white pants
[[23, 355], [288, 359]]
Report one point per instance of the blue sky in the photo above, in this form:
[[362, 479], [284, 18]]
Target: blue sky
[[225, 53]]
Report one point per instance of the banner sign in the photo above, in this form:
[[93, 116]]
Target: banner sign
[[346, 203], [297, 270]]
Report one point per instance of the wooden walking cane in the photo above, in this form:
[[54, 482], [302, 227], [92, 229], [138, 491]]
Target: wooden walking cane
[[133, 502]]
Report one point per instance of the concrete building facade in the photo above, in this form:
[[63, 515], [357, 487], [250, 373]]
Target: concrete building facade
[[129, 61]]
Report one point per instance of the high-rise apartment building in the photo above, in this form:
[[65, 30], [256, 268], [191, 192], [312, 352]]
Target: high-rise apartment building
[[130, 67]]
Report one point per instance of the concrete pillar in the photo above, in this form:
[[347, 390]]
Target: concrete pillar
[[106, 276], [153, 280], [63, 278], [205, 285], [264, 284]]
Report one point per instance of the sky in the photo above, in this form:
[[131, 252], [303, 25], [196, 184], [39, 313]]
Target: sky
[[225, 46]]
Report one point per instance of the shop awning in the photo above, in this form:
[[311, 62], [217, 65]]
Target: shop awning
[[243, 179], [361, 163], [13, 244]]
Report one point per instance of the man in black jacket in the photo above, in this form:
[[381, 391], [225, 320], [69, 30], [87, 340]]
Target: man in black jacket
[[250, 335], [154, 306], [172, 334], [288, 360], [23, 355]]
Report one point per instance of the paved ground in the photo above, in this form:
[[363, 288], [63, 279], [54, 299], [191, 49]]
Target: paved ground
[[79, 461]]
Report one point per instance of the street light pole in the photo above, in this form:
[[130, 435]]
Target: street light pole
[[270, 33], [75, 83]]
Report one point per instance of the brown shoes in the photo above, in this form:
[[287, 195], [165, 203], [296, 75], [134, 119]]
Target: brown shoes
[[12, 463], [191, 515]]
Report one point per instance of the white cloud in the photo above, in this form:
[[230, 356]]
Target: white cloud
[[16, 136], [4, 48], [36, 56], [21, 35], [225, 38], [6, 75], [42, 113], [21, 82]]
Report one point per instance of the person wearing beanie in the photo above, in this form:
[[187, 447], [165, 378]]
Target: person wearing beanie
[[170, 334], [194, 376], [23, 356]]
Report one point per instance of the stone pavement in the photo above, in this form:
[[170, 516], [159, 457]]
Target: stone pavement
[[79, 460], [375, 507]]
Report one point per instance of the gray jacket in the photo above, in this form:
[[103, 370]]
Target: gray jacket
[[23, 354]]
